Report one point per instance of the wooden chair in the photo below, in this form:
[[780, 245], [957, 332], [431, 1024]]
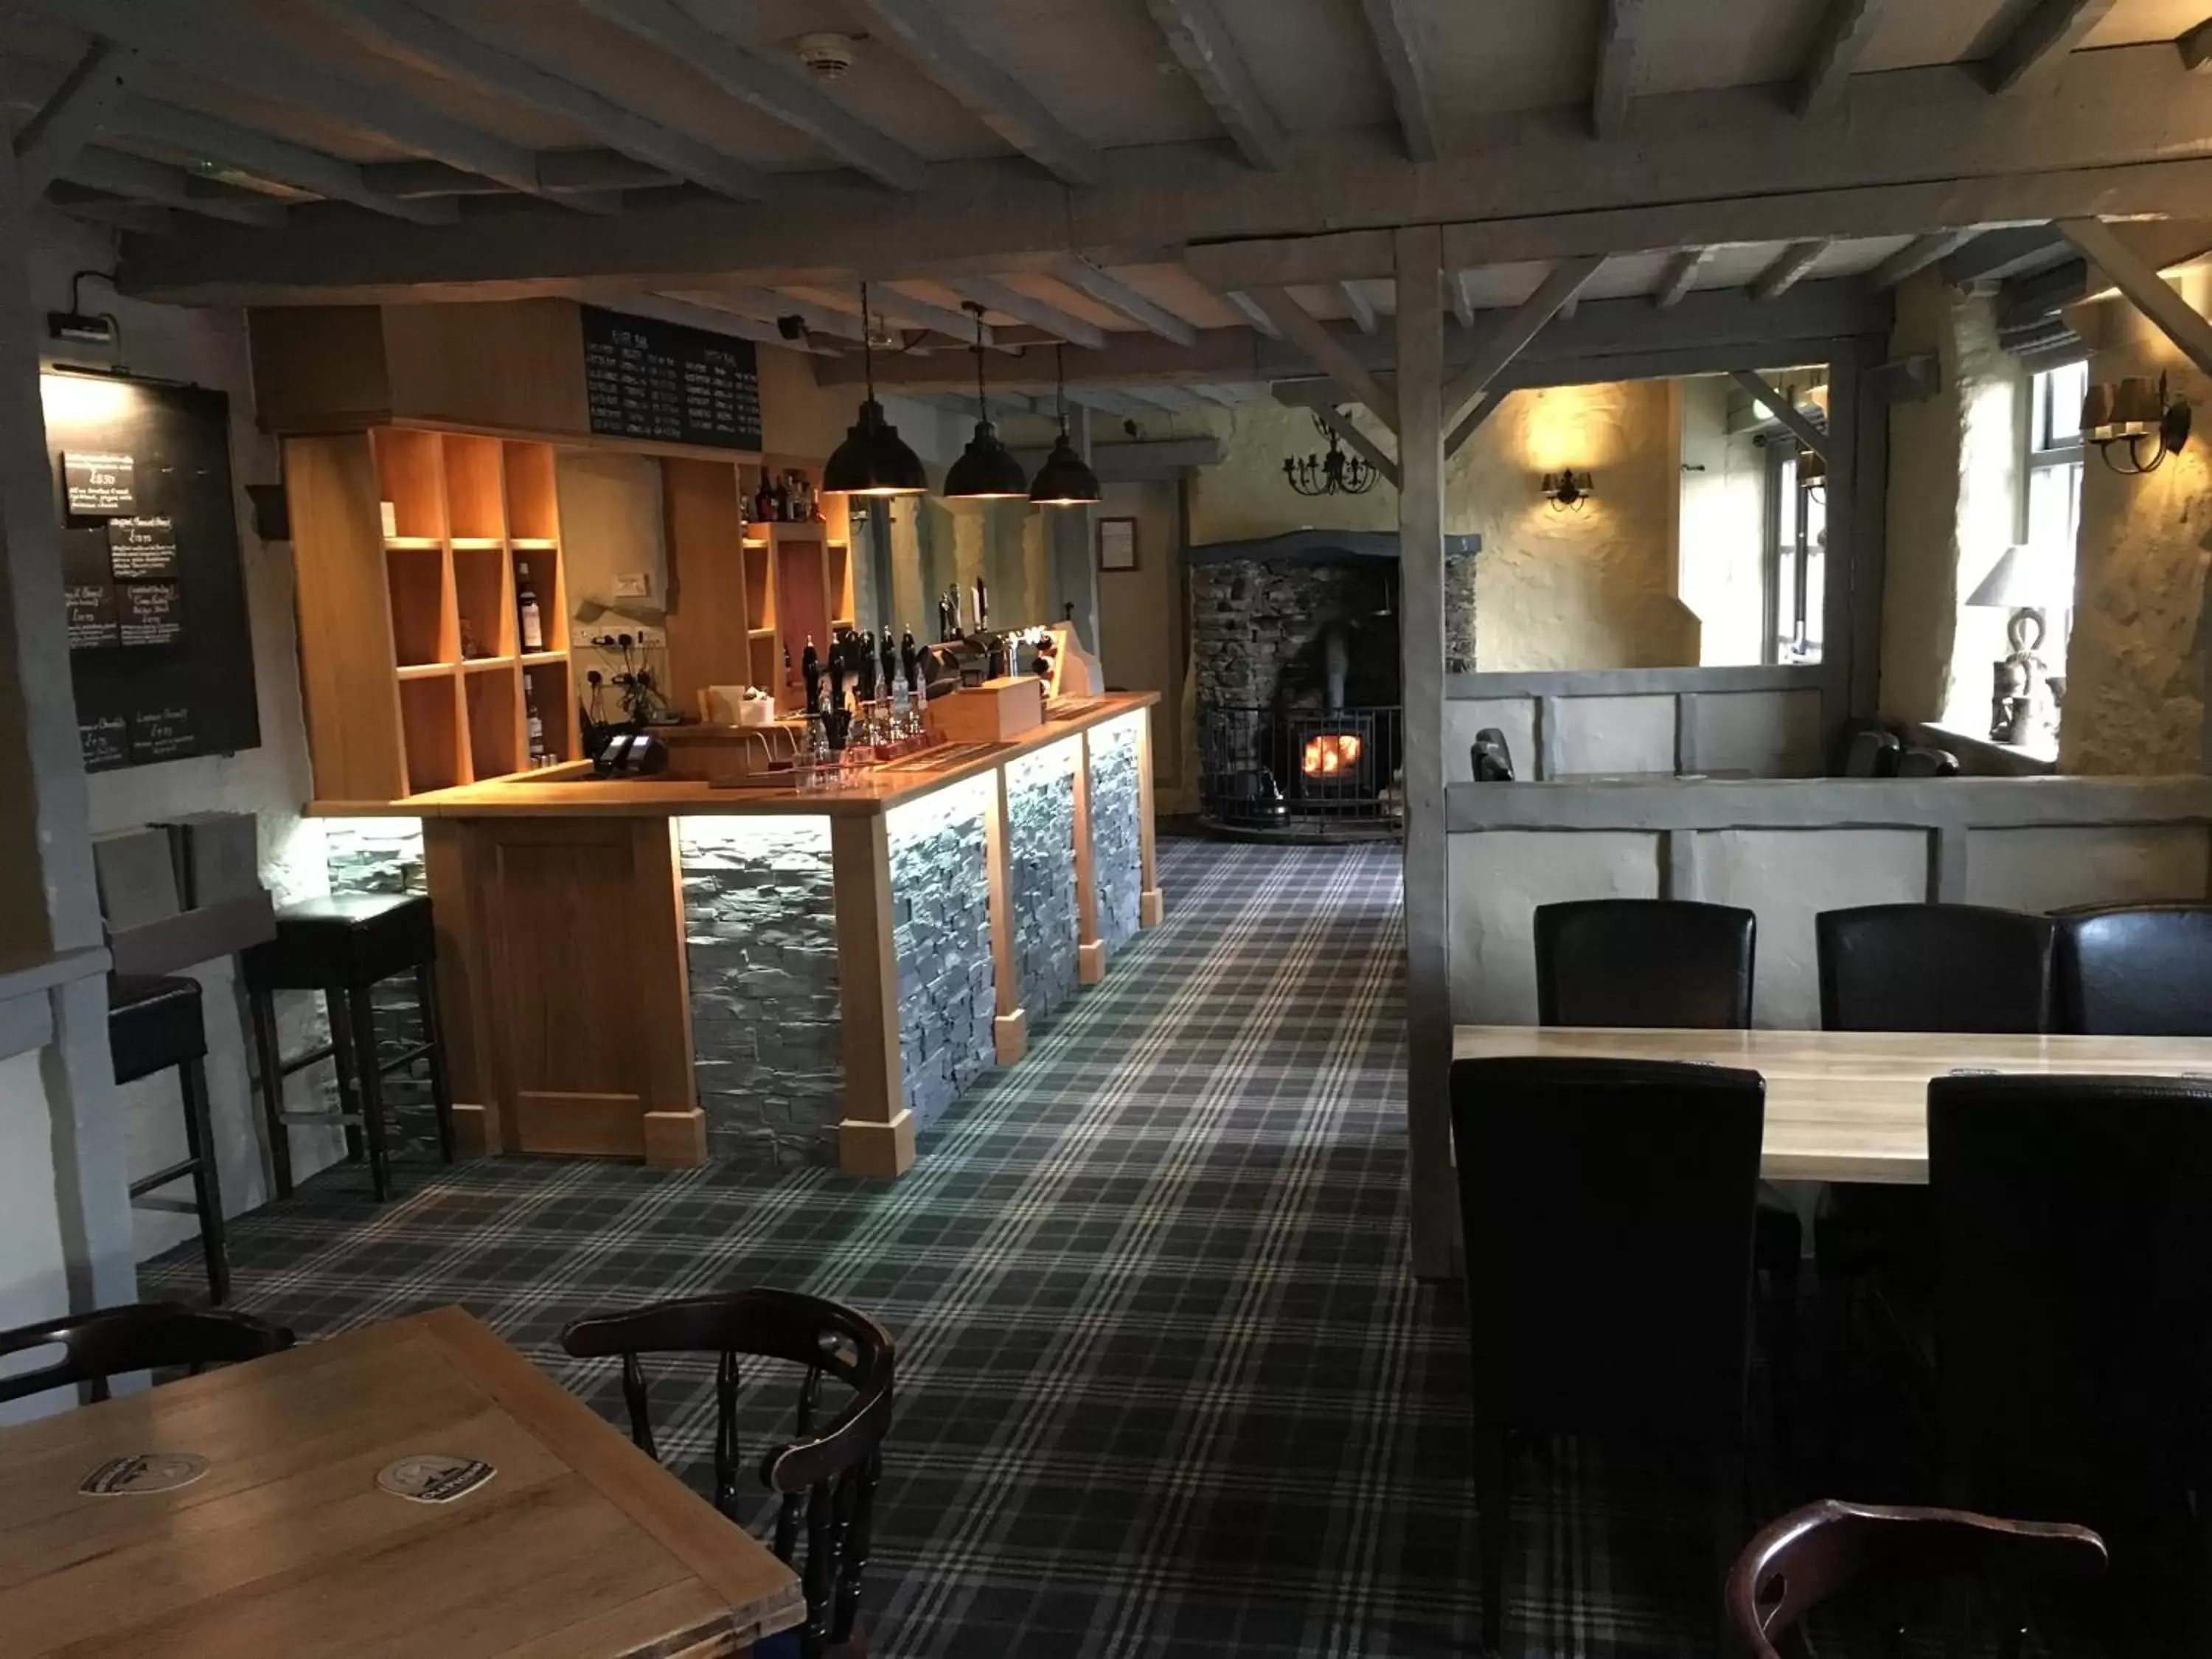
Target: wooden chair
[[1802, 1559], [1607, 1209], [826, 1477], [142, 1336]]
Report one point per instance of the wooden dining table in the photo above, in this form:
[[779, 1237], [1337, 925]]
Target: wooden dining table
[[578, 1545], [1847, 1105]]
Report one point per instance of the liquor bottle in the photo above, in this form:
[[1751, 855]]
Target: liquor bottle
[[763, 503], [526, 607], [810, 667], [536, 726]]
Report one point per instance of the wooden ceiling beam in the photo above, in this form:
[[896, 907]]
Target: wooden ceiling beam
[[2040, 42], [1564, 280], [258, 155], [1459, 286], [1790, 267], [697, 35], [1847, 27], [2148, 292], [1777, 405], [65, 124], [1241, 302], [891, 300], [1358, 306], [919, 32], [995, 295], [2196, 47], [142, 180], [1916, 255], [1115, 294], [1620, 44], [1202, 44], [140, 218], [1682, 272], [1405, 66], [768, 306], [1330, 355]]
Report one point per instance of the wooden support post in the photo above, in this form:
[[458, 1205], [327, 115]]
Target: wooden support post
[[1090, 948], [876, 1136], [1420, 325], [1151, 907], [1010, 1029]]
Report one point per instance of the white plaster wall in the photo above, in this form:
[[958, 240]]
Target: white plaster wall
[[1615, 734], [1514, 716], [1787, 876], [2049, 869], [1724, 518], [1496, 881], [33, 1281], [1769, 734]]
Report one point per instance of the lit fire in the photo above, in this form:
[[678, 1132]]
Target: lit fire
[[1329, 754]]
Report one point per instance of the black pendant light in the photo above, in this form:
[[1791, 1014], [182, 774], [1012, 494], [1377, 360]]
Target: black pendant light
[[873, 461], [1064, 479], [987, 470]]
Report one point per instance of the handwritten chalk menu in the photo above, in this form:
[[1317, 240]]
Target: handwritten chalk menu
[[100, 481], [662, 383], [160, 648], [140, 550]]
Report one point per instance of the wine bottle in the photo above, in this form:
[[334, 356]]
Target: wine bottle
[[526, 613], [536, 726]]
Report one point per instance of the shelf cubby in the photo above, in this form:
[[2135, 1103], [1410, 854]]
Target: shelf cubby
[[410, 475], [475, 491], [760, 595], [484, 599], [496, 741], [532, 505], [423, 629], [556, 709], [539, 570], [430, 731]]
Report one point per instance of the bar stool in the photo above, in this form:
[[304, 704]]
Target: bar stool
[[154, 1023], [344, 947]]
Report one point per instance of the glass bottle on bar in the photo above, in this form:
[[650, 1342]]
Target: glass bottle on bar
[[530, 622], [534, 724]]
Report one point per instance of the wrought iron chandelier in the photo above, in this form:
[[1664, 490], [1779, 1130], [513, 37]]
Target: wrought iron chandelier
[[1333, 473]]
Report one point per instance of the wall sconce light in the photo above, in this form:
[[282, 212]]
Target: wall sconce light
[[1567, 490], [2143, 420]]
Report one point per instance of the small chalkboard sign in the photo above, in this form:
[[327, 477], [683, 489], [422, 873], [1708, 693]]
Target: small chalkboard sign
[[142, 549], [100, 483], [160, 734], [91, 608], [105, 740], [149, 613], [664, 383]]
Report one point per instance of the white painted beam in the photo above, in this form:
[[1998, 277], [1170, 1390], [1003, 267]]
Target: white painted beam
[[1917, 255], [140, 218], [1330, 355], [80, 107], [1846, 29], [1115, 294], [1360, 307], [142, 180], [1405, 67], [1110, 402], [2041, 42], [1788, 266], [256, 154], [1252, 314], [768, 306], [1358, 442], [695, 34], [1471, 422], [2196, 47], [1201, 43], [891, 300], [1681, 274], [1462, 286], [1564, 282], [995, 295], [920, 32], [1777, 405], [1620, 43], [2147, 291], [199, 37], [407, 34], [1172, 399], [673, 308]]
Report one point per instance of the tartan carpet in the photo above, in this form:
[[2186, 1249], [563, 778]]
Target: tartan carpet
[[1166, 1386]]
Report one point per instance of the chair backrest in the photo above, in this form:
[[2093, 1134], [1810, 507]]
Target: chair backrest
[[1872, 754], [1643, 962], [1934, 968], [139, 1336], [826, 1476], [1927, 763], [1608, 1211], [2135, 971], [1492, 760], [1811, 1554], [2074, 1321]]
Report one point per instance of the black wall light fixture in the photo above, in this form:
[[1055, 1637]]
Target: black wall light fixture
[[2134, 423], [1568, 489], [1064, 479]]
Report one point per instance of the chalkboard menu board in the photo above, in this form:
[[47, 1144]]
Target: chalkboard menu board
[[662, 383], [160, 650]]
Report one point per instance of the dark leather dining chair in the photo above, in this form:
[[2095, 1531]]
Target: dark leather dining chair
[[2135, 971], [1607, 1207], [2073, 1311], [1655, 963], [826, 1476], [1812, 1554], [140, 1336]]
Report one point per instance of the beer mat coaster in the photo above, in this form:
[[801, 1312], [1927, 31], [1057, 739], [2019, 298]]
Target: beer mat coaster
[[142, 1473], [434, 1478]]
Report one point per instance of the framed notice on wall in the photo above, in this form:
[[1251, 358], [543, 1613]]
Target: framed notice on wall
[[1117, 544]]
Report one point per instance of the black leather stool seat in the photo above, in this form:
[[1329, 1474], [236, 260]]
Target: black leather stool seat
[[153, 1024], [344, 941]]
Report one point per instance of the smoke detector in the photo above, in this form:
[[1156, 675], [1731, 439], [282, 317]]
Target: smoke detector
[[827, 55]]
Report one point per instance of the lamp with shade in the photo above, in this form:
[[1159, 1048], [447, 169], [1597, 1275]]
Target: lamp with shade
[[2028, 581]]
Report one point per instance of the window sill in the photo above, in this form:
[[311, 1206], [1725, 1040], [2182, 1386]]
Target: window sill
[[1978, 757]]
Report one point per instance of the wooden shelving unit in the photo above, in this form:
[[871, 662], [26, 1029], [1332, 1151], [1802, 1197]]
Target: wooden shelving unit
[[410, 646]]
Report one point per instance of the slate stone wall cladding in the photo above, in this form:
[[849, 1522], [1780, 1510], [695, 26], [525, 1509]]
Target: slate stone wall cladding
[[1116, 858], [376, 856], [760, 929], [941, 931], [1041, 840], [1251, 616]]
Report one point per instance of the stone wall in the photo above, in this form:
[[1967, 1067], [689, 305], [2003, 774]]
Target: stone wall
[[1116, 802], [761, 926], [941, 931], [1251, 619], [1041, 843]]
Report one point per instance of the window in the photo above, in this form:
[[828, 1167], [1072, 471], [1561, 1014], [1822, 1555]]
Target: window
[[2052, 506], [1797, 544]]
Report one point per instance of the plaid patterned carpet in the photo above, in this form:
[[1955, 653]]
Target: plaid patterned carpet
[[1166, 1387]]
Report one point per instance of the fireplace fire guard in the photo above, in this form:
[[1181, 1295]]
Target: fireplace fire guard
[[1301, 772]]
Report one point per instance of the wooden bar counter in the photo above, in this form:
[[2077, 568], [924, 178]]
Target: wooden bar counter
[[669, 970]]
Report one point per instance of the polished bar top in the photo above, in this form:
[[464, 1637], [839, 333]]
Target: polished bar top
[[571, 791]]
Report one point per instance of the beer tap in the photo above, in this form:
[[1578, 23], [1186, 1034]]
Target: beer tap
[[810, 668]]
